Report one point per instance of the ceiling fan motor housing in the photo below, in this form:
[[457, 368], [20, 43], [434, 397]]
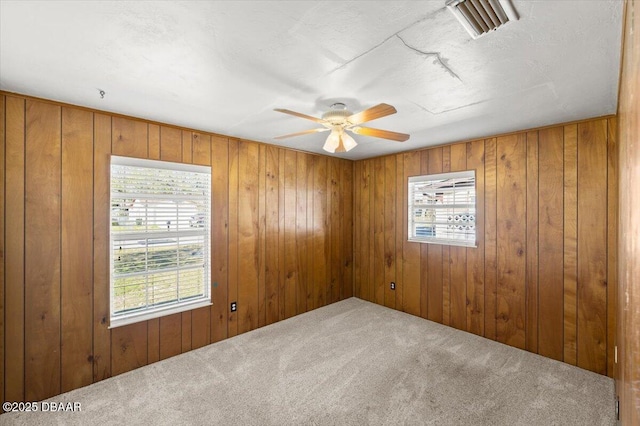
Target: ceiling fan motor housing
[[337, 115]]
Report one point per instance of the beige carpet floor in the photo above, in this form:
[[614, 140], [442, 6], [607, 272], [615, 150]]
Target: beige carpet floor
[[350, 363]]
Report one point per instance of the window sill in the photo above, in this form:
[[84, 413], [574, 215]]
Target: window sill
[[443, 242], [157, 313]]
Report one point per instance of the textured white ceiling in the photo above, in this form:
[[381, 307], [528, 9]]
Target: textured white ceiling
[[223, 66]]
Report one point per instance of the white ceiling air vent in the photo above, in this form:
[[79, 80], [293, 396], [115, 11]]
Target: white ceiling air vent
[[482, 16]]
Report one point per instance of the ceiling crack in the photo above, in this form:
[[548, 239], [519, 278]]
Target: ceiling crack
[[438, 59], [364, 53], [424, 18], [422, 107]]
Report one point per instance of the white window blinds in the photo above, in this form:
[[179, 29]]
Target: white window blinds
[[442, 208], [160, 238]]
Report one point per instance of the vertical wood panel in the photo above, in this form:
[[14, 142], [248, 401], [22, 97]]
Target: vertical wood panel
[[170, 335], [14, 200], [272, 255], [364, 222], [551, 237], [320, 228], [201, 150], [371, 229], [435, 266], [531, 326], [389, 217], [248, 238], [628, 309], [378, 224], [612, 240], [282, 231], [336, 237], [363, 216], [328, 226], [347, 229], [187, 146], [128, 347], [77, 249], [170, 144], [262, 184], [153, 340], [186, 331], [311, 232], [401, 203], [458, 256], [301, 230], [42, 250], [570, 256], [224, 187], [186, 327], [434, 254], [101, 292], [410, 251], [475, 256], [357, 233], [292, 272], [490, 235], [200, 327], [153, 142], [130, 137], [511, 239], [234, 235], [592, 240]]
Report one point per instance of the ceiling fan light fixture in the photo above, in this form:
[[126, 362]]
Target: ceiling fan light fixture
[[339, 141], [348, 142], [332, 142]]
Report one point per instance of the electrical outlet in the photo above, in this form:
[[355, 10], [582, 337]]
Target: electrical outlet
[[234, 306], [393, 285]]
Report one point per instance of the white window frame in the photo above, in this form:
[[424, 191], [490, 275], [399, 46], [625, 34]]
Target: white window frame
[[457, 233], [147, 312]]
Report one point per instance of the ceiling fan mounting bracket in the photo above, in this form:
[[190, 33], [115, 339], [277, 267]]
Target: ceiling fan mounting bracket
[[337, 115]]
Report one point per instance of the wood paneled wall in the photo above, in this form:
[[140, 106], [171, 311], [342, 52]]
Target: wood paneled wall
[[628, 371], [543, 275], [281, 234]]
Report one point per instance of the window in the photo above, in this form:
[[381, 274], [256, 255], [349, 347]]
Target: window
[[160, 238], [442, 209]]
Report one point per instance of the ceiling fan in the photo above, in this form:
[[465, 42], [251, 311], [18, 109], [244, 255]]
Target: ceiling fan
[[339, 120]]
